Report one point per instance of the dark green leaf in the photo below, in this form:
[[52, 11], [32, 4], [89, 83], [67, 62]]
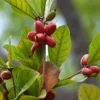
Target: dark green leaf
[[94, 50], [25, 79], [21, 7], [89, 92], [63, 46], [1, 89], [38, 6], [2, 63]]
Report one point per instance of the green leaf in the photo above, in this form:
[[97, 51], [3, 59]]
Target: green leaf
[[1, 96], [2, 63], [26, 97], [76, 78], [22, 53], [24, 32], [21, 7], [42, 94], [10, 52], [89, 92], [38, 6], [1, 89], [94, 50], [25, 79], [48, 7], [63, 46]]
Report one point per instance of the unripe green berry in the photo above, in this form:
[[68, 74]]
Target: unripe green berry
[[51, 16]]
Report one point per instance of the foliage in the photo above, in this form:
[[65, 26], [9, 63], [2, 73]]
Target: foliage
[[35, 76]]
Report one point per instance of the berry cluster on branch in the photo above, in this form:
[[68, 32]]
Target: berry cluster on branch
[[42, 34], [89, 70]]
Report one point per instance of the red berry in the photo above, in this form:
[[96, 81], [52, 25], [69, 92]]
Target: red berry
[[84, 60], [86, 71], [31, 36], [94, 69], [50, 29], [50, 41], [50, 96], [34, 47], [39, 27], [6, 75], [40, 37]]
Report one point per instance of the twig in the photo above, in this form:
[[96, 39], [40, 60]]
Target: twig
[[72, 75], [44, 59], [13, 82]]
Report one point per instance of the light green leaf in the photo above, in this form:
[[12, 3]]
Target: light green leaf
[[25, 79], [61, 52], [38, 6], [10, 52], [1, 96], [76, 78], [21, 7], [2, 63], [94, 50], [24, 32], [26, 97], [89, 92], [41, 96], [48, 7], [22, 53]]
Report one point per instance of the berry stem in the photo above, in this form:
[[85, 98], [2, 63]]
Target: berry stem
[[44, 59]]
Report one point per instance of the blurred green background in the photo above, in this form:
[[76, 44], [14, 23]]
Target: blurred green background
[[88, 12]]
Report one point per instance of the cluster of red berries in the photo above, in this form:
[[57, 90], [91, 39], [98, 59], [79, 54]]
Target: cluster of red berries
[[88, 70], [42, 34]]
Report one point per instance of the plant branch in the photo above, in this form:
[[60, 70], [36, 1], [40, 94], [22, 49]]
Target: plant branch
[[72, 75], [44, 59], [13, 82]]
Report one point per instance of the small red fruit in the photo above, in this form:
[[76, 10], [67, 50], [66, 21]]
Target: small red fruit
[[86, 71], [50, 41], [84, 60], [39, 27], [50, 96], [94, 69], [50, 29], [31, 36], [6, 75], [39, 37], [34, 47]]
